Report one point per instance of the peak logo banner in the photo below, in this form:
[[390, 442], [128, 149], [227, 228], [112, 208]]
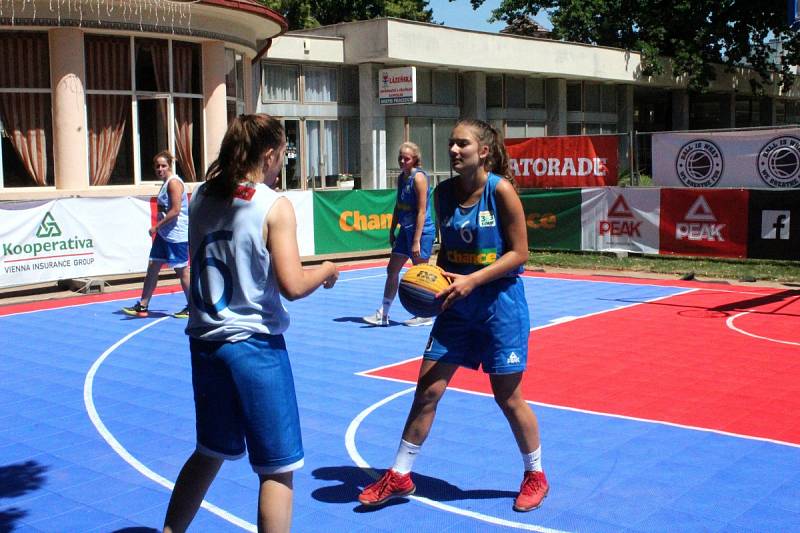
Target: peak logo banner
[[617, 219], [755, 158], [704, 222]]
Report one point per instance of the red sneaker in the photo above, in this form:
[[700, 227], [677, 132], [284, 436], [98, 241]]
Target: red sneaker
[[390, 485], [533, 490]]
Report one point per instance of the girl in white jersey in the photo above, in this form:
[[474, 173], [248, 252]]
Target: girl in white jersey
[[170, 236], [244, 256]]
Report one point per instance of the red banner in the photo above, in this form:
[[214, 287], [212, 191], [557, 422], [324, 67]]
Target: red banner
[[711, 222], [573, 161]]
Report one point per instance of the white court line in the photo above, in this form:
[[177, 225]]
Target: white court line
[[120, 449], [349, 440], [729, 323]]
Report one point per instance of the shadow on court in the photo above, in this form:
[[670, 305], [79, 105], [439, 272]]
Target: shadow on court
[[352, 479], [151, 314], [17, 480], [136, 530], [359, 320]]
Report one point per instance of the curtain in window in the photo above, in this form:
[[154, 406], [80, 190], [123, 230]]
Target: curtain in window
[[320, 84], [312, 149], [280, 83], [107, 67], [184, 120], [25, 115], [331, 148]]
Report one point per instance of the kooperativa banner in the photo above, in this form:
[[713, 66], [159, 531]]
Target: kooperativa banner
[[748, 159], [72, 238]]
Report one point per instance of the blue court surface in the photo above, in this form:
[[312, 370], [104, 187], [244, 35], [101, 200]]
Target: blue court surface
[[96, 419]]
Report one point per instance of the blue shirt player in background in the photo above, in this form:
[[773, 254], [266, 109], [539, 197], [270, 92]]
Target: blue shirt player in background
[[485, 322], [412, 212]]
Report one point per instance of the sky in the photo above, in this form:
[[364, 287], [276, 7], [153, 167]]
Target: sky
[[459, 14]]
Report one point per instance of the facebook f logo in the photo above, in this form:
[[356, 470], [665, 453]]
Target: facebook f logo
[[775, 224]]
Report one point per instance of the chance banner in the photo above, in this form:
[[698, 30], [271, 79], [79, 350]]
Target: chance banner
[[553, 218], [569, 161], [352, 221], [751, 159]]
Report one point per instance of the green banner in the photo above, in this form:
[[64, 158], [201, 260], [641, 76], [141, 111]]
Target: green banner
[[351, 221], [553, 217]]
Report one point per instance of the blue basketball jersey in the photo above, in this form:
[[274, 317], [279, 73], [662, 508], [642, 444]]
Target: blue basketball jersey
[[407, 203], [471, 237]]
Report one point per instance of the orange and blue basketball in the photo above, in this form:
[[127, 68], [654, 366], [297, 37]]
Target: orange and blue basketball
[[419, 287]]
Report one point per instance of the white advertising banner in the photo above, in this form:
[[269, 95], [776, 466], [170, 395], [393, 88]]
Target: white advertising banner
[[620, 219], [749, 159], [73, 238], [303, 203]]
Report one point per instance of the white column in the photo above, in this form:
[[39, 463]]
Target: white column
[[214, 102], [474, 97], [68, 78], [556, 106], [372, 128]]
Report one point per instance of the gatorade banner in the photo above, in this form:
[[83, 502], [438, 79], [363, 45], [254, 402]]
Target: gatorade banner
[[568, 161], [352, 221], [774, 227], [704, 222], [750, 159], [73, 238], [553, 218], [620, 219]]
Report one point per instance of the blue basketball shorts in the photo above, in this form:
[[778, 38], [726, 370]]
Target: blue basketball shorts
[[402, 244], [174, 254], [244, 394], [488, 329]]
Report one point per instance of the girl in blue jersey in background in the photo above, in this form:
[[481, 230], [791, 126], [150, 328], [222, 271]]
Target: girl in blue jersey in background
[[415, 239], [243, 242], [485, 322]]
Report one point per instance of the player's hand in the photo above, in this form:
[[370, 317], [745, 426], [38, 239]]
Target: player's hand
[[460, 287], [152, 231], [330, 281], [415, 250], [391, 239]]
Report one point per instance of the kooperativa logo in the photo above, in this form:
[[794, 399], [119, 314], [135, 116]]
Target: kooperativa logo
[[48, 227], [699, 163], [778, 162]]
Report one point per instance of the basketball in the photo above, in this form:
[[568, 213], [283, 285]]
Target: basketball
[[419, 287]]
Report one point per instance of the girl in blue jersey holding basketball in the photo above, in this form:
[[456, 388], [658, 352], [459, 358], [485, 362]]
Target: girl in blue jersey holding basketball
[[415, 238], [484, 322], [242, 237]]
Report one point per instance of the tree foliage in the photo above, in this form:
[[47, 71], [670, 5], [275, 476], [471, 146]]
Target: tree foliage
[[692, 34], [302, 14]]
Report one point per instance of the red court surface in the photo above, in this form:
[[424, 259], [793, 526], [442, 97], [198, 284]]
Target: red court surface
[[723, 358]]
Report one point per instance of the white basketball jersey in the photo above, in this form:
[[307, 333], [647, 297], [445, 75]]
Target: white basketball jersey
[[234, 293]]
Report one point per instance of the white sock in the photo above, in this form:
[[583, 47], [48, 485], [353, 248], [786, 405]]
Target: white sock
[[387, 303], [406, 453], [533, 460]]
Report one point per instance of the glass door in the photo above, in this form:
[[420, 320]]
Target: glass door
[[290, 176], [322, 153]]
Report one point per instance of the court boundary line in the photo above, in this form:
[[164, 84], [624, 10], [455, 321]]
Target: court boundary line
[[729, 322], [352, 451], [122, 452]]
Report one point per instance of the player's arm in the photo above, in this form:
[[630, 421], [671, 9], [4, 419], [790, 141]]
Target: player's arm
[[515, 233], [294, 281], [421, 188]]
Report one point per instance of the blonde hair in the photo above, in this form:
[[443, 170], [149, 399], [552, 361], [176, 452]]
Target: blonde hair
[[166, 154], [415, 152]]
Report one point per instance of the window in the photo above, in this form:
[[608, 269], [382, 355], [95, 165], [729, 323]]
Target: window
[[320, 84], [515, 92], [445, 90], [592, 96], [609, 99], [26, 136], [574, 96], [349, 92], [522, 129], [494, 91], [395, 136], [748, 112], [423, 86], [534, 93], [280, 83], [322, 149], [234, 83]]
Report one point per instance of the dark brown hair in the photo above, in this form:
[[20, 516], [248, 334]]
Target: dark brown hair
[[488, 135], [247, 139]]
